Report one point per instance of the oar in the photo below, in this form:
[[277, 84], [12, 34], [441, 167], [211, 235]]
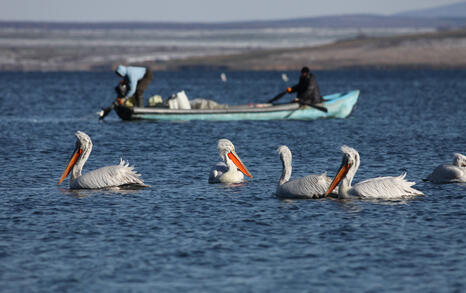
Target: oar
[[320, 108], [277, 97], [106, 111]]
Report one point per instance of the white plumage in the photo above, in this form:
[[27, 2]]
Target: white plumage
[[454, 173], [231, 170], [311, 186], [110, 176], [375, 188]]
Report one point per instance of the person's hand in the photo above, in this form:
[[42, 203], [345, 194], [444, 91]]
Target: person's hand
[[295, 100], [289, 90]]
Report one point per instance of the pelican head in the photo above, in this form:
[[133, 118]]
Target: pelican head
[[459, 160], [286, 157], [349, 162], [80, 154], [226, 150]]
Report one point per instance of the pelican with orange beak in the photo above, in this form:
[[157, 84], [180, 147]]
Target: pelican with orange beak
[[232, 169], [375, 188], [105, 177]]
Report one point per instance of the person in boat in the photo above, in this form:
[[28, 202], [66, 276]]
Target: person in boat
[[307, 89], [137, 79]]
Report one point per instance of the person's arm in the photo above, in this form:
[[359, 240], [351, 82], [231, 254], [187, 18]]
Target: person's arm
[[280, 95], [132, 84], [293, 88]]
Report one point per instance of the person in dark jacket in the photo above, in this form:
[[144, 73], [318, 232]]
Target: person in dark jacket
[[137, 79], [307, 89]]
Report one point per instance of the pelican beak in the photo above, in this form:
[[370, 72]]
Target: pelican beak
[[74, 158], [344, 168], [237, 161]]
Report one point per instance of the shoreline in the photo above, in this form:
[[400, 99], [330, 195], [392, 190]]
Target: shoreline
[[436, 50]]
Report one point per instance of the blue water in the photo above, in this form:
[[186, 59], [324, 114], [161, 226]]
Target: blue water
[[183, 234]]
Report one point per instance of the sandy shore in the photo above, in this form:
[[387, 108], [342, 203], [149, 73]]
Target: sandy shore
[[438, 50]]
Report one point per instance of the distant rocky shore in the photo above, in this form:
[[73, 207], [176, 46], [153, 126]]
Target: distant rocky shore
[[439, 49]]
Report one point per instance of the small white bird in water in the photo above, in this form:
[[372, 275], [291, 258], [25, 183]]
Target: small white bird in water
[[110, 176], [375, 188], [311, 186], [227, 171], [446, 173], [285, 77], [223, 77]]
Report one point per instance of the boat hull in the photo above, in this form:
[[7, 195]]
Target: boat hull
[[338, 105]]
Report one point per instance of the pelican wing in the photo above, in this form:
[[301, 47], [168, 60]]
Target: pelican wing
[[447, 174], [217, 171], [385, 188], [311, 186], [110, 176]]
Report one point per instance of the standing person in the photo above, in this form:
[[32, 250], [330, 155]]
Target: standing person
[[137, 79], [307, 89]]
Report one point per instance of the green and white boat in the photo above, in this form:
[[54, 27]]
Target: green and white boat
[[337, 105]]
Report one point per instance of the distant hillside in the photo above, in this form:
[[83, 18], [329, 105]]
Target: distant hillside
[[335, 21], [456, 10], [445, 49]]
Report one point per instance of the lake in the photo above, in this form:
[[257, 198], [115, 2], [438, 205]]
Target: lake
[[183, 234]]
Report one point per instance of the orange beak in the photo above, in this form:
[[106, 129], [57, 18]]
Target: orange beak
[[74, 158], [237, 161], [340, 175]]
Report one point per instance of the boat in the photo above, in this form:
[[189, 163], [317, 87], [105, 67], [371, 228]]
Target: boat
[[338, 105]]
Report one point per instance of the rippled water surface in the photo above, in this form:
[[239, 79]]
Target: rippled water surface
[[183, 234]]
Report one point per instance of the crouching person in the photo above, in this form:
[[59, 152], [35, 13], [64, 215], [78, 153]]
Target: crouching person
[[137, 80]]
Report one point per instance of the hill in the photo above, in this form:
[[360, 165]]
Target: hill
[[331, 21], [456, 10]]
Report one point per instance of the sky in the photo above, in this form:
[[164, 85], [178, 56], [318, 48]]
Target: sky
[[198, 10]]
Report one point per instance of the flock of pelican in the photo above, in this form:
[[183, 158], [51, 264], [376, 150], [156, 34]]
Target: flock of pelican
[[232, 170]]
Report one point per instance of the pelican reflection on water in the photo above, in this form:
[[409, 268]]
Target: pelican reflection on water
[[231, 169], [375, 188], [311, 186], [121, 175], [454, 173]]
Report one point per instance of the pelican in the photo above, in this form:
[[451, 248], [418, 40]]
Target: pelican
[[311, 186], [375, 188], [227, 171], [110, 176], [454, 173]]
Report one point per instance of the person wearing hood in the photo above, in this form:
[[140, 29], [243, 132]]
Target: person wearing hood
[[308, 92], [137, 80]]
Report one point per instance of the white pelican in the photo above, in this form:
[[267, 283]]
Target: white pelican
[[227, 171], [454, 173], [311, 186], [375, 188], [110, 176]]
